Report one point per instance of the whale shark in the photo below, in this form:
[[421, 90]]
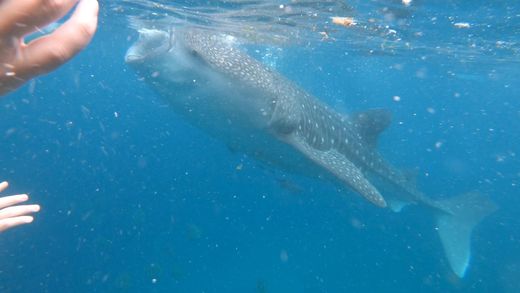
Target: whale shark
[[212, 82]]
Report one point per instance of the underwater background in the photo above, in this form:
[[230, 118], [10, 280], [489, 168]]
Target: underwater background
[[134, 199]]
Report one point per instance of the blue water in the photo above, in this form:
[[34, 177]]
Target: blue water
[[134, 199]]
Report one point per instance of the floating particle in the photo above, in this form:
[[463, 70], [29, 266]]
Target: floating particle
[[10, 131], [462, 25], [324, 36], [500, 158], [430, 110], [407, 2], [396, 98], [356, 223], [398, 66], [284, 257], [438, 144], [32, 85], [343, 21], [421, 73]]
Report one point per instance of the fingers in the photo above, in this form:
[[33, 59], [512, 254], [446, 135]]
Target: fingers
[[12, 200], [12, 222], [3, 186], [17, 18], [12, 215], [16, 211], [48, 52]]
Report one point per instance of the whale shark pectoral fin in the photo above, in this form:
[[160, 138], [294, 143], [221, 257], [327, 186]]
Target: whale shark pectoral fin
[[343, 169]]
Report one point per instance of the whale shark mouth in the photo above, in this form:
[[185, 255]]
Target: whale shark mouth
[[151, 43], [133, 58]]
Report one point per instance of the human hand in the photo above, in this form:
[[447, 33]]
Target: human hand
[[10, 215], [20, 62]]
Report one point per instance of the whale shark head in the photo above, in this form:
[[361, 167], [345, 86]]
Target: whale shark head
[[151, 43], [160, 55]]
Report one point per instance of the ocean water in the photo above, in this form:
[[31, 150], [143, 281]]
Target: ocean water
[[135, 199]]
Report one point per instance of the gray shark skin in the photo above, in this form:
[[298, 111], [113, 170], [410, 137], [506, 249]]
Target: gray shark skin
[[219, 88]]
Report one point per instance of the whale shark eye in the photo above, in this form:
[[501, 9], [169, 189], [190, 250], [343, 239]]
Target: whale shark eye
[[194, 53]]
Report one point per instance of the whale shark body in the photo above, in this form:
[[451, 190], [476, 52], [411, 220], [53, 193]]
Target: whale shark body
[[214, 84]]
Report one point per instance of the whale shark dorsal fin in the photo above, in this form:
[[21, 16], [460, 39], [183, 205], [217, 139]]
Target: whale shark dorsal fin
[[371, 123], [339, 166]]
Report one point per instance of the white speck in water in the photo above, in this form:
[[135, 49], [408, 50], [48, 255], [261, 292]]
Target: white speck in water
[[284, 257], [462, 25]]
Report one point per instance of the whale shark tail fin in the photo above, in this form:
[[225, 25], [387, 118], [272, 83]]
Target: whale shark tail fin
[[455, 224]]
